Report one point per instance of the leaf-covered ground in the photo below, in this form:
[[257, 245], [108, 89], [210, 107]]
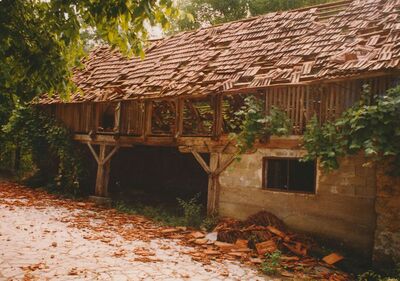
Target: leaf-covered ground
[[43, 237]]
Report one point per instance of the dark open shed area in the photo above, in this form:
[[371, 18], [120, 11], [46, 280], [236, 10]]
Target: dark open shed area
[[156, 175]]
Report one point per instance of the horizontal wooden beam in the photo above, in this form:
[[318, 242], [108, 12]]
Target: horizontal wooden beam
[[189, 144]]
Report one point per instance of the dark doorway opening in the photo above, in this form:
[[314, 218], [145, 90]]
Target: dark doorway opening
[[157, 176]]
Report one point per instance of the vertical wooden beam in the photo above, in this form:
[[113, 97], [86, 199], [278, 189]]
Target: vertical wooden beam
[[147, 118], [96, 108], [103, 169], [213, 182], [179, 117], [217, 124], [117, 118], [214, 169], [100, 184]]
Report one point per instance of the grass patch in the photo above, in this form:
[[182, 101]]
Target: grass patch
[[160, 214], [184, 213]]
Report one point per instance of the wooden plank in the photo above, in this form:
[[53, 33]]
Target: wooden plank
[[179, 117], [117, 118], [302, 111], [213, 185], [147, 118], [217, 119]]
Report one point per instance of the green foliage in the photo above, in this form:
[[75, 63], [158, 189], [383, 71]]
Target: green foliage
[[255, 124], [372, 126], [50, 145], [272, 262], [191, 211], [40, 41], [211, 12], [374, 276], [324, 143], [158, 213], [210, 222]]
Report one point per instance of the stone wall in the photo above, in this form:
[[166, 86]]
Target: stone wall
[[342, 208], [387, 235]]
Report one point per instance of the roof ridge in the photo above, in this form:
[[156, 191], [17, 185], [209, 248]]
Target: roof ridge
[[180, 33], [302, 9]]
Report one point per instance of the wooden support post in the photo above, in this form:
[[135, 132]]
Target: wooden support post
[[217, 120], [213, 182], [214, 169], [103, 168], [102, 174]]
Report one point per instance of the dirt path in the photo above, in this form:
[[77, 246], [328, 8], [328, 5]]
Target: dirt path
[[44, 238]]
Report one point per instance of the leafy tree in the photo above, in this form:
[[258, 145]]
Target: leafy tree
[[40, 41]]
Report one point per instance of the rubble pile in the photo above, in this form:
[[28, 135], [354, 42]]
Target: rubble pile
[[251, 241]]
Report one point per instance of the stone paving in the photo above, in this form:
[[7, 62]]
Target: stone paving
[[37, 243]]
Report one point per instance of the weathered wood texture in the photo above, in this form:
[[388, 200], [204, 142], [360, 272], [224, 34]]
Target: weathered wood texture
[[213, 116], [213, 169], [103, 159]]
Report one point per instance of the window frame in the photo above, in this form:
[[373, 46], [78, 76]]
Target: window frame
[[265, 175]]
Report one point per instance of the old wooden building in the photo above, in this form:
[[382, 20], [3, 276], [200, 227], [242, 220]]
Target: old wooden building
[[183, 95]]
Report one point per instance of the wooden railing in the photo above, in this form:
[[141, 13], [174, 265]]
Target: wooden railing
[[213, 116]]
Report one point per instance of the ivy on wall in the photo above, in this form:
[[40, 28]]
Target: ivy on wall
[[50, 145], [254, 124], [372, 126]]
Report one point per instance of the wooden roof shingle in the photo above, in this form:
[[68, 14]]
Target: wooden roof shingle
[[334, 40]]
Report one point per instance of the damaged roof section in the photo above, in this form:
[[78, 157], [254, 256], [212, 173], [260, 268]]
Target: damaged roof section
[[341, 39]]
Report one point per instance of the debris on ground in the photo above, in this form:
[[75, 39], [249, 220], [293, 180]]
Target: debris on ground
[[246, 241], [48, 237], [261, 234]]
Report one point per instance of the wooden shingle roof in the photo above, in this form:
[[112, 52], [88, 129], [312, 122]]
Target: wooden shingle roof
[[342, 39]]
